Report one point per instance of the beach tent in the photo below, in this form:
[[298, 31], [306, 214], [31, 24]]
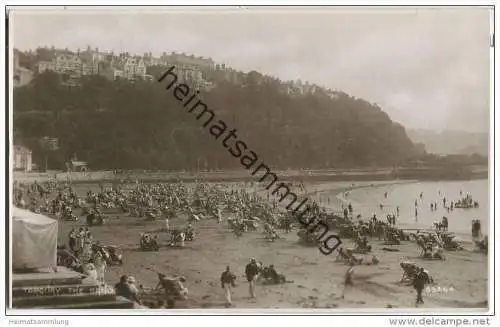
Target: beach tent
[[34, 240]]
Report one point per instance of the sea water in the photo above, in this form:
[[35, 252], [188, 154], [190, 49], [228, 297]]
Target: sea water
[[367, 201]]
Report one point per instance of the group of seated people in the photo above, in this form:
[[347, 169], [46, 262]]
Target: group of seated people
[[271, 276], [362, 244], [174, 289], [148, 241], [348, 257]]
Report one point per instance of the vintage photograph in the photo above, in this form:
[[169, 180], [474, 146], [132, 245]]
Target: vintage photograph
[[250, 158]]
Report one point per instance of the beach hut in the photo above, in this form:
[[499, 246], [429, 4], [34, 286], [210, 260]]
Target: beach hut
[[34, 240]]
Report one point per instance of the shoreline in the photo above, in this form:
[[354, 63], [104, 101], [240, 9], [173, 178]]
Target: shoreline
[[315, 188]]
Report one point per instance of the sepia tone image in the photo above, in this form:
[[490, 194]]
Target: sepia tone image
[[250, 158]]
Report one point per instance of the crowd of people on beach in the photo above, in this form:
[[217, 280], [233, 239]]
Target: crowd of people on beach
[[244, 211], [149, 201]]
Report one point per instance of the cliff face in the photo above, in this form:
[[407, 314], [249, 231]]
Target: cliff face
[[141, 125]]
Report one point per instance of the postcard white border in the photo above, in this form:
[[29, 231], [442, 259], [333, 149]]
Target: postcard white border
[[146, 316]]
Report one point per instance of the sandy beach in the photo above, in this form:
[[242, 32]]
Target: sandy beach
[[317, 279]]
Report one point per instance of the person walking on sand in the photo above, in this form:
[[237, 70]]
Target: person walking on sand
[[419, 284], [251, 272], [227, 282], [348, 282], [219, 216]]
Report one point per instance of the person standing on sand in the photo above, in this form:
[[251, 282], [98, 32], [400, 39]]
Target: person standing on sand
[[72, 240], [167, 225], [348, 282], [133, 287], [227, 281], [100, 266], [251, 272], [80, 242], [419, 284]]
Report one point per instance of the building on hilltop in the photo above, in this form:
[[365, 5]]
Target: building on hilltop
[[190, 62], [296, 88], [46, 65], [293, 88], [190, 76], [96, 55], [112, 73], [122, 67], [134, 68], [90, 61], [222, 73], [61, 52], [310, 88], [149, 60], [75, 65], [22, 76], [112, 68], [164, 59], [68, 64], [332, 94]]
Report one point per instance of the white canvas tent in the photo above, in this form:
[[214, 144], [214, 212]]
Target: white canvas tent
[[34, 241]]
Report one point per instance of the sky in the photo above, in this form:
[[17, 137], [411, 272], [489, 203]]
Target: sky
[[428, 68]]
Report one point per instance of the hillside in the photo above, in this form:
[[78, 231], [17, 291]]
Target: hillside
[[451, 142], [141, 125]]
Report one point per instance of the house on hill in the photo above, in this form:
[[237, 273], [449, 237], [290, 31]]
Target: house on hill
[[22, 75]]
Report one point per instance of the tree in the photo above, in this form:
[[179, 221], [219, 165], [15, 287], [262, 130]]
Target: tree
[[117, 124]]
